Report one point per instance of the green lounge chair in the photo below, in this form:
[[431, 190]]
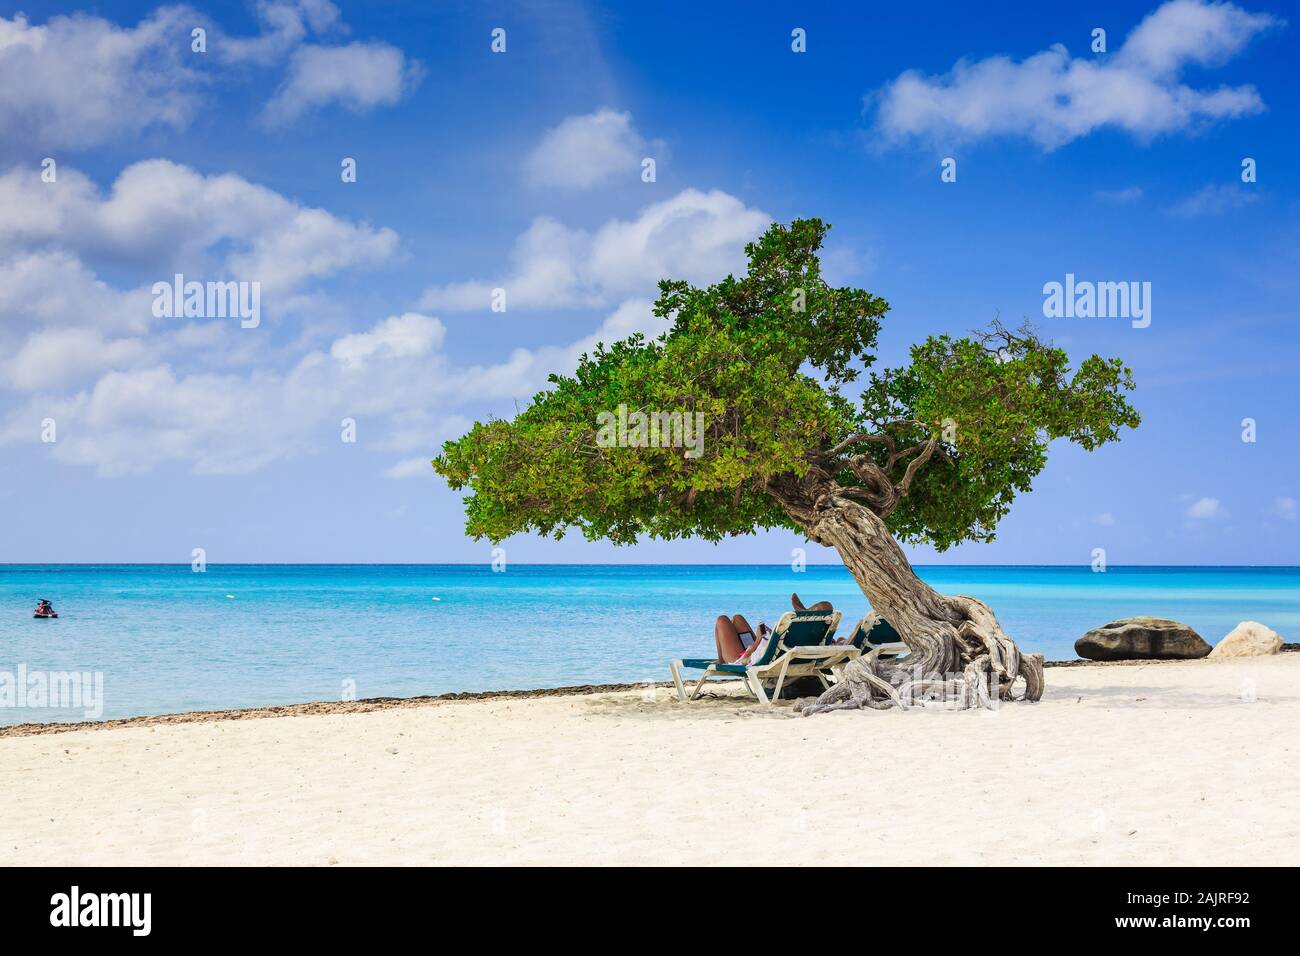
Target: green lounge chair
[[872, 632], [799, 646]]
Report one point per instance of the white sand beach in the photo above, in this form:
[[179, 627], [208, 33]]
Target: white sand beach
[[1160, 763]]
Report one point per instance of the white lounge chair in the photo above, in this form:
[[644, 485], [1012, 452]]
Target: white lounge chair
[[799, 646]]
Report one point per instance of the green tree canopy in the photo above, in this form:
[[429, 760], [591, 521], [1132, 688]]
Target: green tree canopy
[[938, 448]]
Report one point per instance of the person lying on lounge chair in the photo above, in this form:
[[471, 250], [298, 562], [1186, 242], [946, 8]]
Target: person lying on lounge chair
[[737, 642]]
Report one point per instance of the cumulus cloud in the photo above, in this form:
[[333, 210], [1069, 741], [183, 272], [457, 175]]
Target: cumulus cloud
[[1204, 508], [358, 76], [285, 24], [585, 151], [401, 336], [1286, 508], [79, 81], [694, 235], [61, 324], [168, 216], [1183, 32], [56, 357], [392, 377], [131, 393], [131, 421], [1053, 98], [53, 287]]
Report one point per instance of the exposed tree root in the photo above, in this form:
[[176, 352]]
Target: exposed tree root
[[990, 664]]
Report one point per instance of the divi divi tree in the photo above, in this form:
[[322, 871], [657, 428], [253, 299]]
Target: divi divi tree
[[800, 432]]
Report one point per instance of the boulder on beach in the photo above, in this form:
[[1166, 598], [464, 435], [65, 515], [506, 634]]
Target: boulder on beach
[[1248, 639], [1141, 638]]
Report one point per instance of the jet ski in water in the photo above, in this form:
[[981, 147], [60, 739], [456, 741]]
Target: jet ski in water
[[45, 609]]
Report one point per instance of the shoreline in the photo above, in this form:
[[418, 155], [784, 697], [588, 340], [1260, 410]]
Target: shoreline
[[372, 704]]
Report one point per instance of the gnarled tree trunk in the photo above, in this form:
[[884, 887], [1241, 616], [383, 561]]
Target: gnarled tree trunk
[[957, 649]]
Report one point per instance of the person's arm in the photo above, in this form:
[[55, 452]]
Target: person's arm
[[760, 641]]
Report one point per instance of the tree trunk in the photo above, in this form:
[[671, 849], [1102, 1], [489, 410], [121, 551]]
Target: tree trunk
[[957, 649]]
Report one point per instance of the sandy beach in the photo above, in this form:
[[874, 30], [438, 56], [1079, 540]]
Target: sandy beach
[[1158, 763]]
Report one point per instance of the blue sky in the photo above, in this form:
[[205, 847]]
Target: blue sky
[[522, 170]]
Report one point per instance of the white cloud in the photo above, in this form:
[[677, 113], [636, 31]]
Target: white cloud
[[172, 217], [520, 375], [79, 81], [61, 324], [53, 287], [392, 378], [525, 370], [1105, 519], [284, 26], [1183, 32], [131, 421], [411, 468], [358, 76], [131, 393], [585, 151], [398, 336], [1214, 199], [1286, 508], [695, 235], [1204, 508], [52, 358], [1053, 98]]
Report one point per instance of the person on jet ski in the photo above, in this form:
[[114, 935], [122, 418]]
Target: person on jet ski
[[44, 607]]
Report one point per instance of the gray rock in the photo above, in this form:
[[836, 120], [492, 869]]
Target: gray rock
[[1141, 638]]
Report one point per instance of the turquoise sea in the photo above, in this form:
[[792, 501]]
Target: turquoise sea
[[167, 639]]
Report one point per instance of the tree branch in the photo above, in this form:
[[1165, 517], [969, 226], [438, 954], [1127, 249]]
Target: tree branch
[[859, 437], [914, 466]]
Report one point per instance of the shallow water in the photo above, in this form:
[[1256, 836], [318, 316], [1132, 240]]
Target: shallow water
[[167, 639]]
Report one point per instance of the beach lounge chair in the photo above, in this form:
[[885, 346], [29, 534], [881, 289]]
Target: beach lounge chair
[[799, 646], [872, 632]]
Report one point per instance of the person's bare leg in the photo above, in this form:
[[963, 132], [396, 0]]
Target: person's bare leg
[[727, 639], [819, 606]]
